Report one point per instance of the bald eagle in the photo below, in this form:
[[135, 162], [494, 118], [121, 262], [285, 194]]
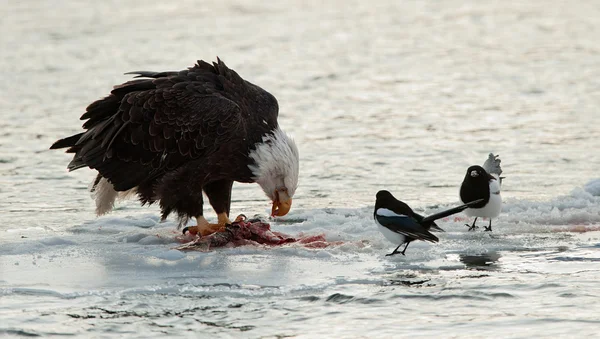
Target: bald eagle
[[169, 136]]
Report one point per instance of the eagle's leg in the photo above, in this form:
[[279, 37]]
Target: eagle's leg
[[204, 228], [219, 196]]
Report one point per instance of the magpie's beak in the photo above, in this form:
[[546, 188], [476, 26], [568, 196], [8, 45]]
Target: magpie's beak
[[281, 204], [491, 177]]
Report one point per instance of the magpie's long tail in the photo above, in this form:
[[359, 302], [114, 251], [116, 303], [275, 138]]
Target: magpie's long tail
[[449, 212], [434, 227]]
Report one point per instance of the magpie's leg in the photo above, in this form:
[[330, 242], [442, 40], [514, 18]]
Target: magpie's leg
[[489, 228], [394, 251], [472, 227], [404, 250]]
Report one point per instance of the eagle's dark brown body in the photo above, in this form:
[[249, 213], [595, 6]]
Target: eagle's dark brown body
[[172, 135]]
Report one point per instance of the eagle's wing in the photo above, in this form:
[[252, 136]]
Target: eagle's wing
[[147, 126]]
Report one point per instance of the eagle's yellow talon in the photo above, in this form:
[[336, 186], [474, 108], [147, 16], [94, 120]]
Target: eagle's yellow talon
[[205, 228], [240, 218], [193, 230]]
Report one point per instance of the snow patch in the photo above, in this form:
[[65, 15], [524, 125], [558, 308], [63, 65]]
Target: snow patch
[[56, 241], [593, 187]]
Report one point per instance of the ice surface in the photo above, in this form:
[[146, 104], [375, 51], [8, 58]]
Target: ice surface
[[351, 230], [126, 268]]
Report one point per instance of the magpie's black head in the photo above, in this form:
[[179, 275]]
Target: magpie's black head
[[385, 199], [383, 194], [477, 173], [476, 185]]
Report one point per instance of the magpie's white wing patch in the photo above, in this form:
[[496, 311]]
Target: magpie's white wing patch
[[384, 212]]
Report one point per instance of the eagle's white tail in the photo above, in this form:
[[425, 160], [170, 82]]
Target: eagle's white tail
[[105, 195]]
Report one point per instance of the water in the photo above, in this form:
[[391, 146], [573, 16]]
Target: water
[[396, 95]]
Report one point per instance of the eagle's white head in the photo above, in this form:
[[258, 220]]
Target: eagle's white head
[[275, 169]]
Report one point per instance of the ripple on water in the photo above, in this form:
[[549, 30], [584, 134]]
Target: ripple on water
[[340, 298], [437, 297]]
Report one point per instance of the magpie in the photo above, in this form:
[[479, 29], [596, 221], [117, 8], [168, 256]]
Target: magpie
[[401, 225], [483, 183]]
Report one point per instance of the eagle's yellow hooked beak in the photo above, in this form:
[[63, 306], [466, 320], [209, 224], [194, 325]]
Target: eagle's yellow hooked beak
[[281, 204]]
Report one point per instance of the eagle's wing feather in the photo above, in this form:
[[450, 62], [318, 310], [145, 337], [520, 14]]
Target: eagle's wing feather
[[148, 126]]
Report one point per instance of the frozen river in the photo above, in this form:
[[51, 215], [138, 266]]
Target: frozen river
[[396, 95]]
